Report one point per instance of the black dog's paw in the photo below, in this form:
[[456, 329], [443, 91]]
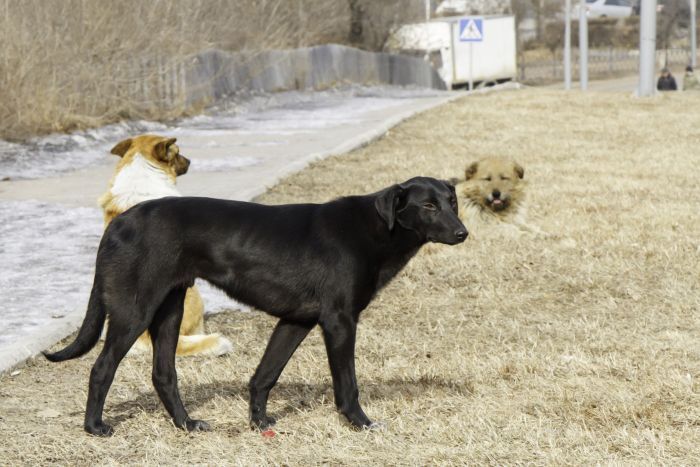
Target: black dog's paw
[[99, 429], [262, 423], [375, 426], [197, 425], [362, 423]]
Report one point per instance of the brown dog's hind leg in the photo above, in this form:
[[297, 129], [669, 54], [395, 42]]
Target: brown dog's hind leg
[[193, 317], [205, 344], [164, 332]]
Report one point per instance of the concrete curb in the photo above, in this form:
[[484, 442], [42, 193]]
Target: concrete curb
[[15, 357], [19, 354]]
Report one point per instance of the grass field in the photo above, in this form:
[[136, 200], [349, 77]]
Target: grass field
[[581, 347]]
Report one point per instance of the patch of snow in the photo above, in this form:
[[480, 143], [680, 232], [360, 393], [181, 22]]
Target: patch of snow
[[290, 113], [47, 253], [215, 165]]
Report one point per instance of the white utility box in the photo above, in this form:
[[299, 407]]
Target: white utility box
[[464, 49]]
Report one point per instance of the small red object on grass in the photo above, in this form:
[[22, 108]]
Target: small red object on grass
[[269, 433]]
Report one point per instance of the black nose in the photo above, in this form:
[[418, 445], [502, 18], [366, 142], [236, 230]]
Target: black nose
[[496, 194], [461, 235]]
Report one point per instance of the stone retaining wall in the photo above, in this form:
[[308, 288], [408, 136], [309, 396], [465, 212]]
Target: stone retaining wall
[[215, 74]]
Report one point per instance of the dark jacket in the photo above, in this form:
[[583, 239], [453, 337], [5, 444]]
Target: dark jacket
[[666, 83]]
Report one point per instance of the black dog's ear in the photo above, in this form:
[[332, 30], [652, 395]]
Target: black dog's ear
[[451, 184], [519, 170], [470, 170], [121, 148], [387, 202]]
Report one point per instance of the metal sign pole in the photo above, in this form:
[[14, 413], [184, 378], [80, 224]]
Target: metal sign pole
[[567, 45], [471, 65], [647, 47], [470, 29], [583, 45]]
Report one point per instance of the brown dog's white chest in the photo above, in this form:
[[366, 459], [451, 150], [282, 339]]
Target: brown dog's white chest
[[140, 181]]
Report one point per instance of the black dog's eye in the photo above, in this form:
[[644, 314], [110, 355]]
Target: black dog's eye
[[503, 177], [430, 206], [488, 179]]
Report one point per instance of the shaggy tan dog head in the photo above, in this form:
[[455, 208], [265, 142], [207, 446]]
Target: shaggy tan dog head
[[160, 151], [494, 184]]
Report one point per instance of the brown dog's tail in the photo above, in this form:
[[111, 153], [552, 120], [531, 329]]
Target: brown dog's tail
[[89, 332]]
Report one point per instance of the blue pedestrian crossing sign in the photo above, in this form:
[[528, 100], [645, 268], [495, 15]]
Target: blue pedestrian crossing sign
[[471, 29]]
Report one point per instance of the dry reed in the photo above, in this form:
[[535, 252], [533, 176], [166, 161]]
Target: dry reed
[[70, 64], [77, 63]]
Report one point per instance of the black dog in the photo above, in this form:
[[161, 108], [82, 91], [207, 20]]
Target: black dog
[[306, 264]]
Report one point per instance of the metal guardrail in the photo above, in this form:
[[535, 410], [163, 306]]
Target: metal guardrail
[[546, 67]]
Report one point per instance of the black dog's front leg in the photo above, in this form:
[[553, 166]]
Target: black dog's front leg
[[339, 331], [284, 341]]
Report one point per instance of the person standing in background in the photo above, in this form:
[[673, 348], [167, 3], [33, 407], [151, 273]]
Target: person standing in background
[[690, 80], [666, 81]]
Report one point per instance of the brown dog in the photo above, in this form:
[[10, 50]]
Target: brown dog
[[148, 168], [494, 191], [494, 185]]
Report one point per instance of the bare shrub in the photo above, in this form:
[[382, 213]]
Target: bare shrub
[[68, 64], [372, 21], [542, 10]]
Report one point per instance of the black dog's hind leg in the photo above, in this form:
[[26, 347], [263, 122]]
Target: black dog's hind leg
[[339, 330], [164, 330], [284, 341], [120, 338]]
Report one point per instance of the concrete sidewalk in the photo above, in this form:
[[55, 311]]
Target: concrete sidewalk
[[278, 152], [280, 148]]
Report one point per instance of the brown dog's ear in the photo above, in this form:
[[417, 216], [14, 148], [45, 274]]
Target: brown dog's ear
[[470, 170], [387, 202], [160, 150], [519, 170], [121, 148]]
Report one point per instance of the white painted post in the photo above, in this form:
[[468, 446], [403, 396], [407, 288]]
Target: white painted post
[[453, 57], [647, 47], [693, 35], [583, 45], [567, 45]]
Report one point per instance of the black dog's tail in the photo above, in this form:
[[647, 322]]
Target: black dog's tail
[[89, 332]]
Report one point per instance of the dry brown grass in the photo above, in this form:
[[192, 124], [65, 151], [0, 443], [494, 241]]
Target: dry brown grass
[[578, 349]]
